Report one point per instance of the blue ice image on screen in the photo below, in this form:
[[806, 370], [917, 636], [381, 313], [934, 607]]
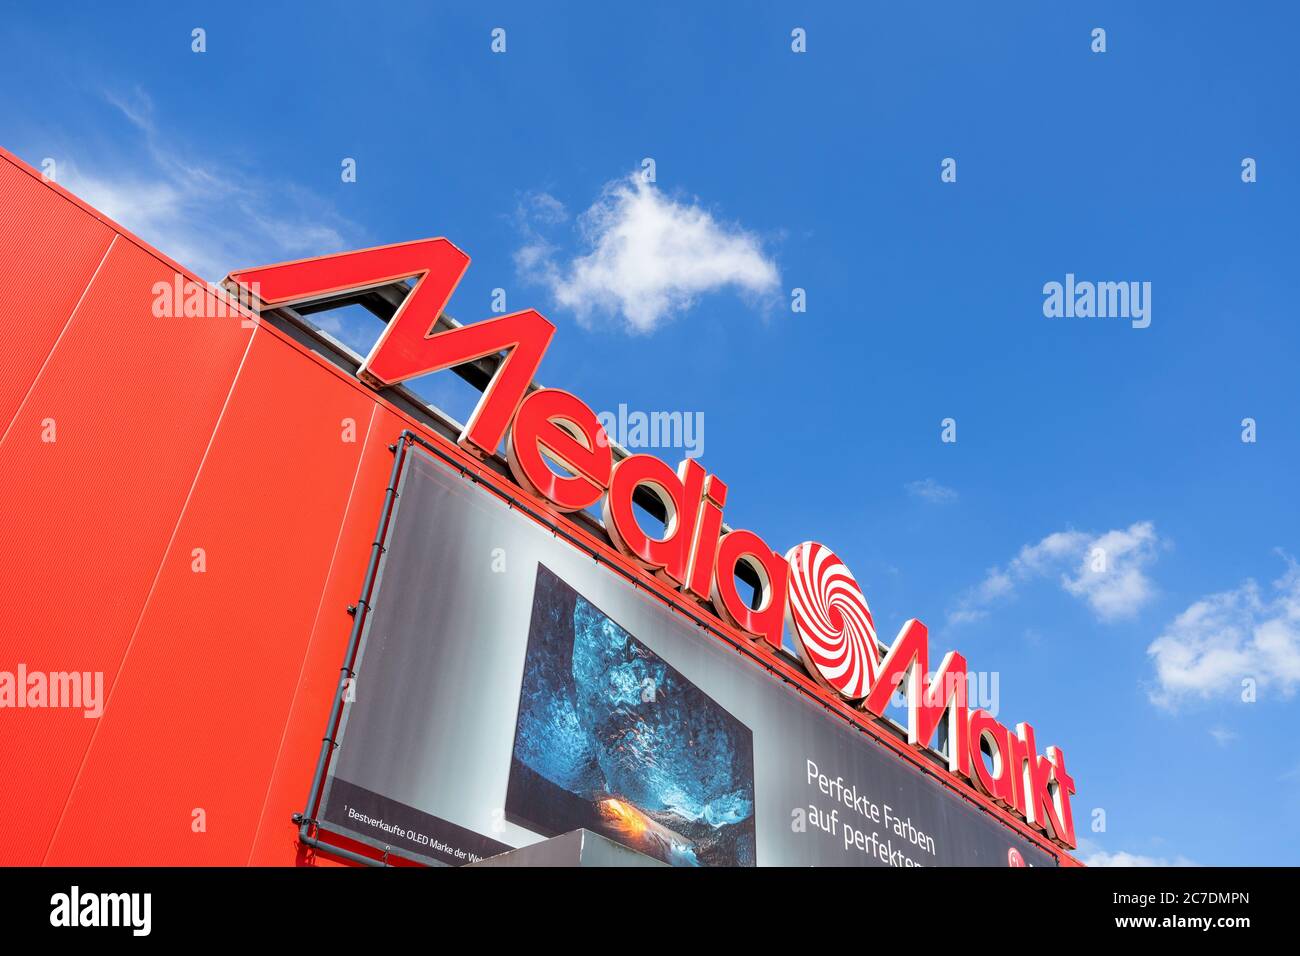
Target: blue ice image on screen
[[651, 760]]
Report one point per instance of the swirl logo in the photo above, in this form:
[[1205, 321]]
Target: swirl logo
[[828, 614]]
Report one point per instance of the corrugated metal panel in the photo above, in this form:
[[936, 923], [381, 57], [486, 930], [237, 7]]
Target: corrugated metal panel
[[276, 842], [208, 682], [49, 249], [87, 517]]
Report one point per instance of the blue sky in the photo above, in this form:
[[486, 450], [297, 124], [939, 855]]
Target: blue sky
[[821, 171]]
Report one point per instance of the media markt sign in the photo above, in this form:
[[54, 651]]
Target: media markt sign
[[808, 589]]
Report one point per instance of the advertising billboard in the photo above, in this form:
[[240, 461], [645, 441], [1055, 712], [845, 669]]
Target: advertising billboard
[[508, 687]]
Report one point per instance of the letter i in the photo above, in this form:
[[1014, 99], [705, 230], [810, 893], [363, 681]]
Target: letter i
[[699, 573]]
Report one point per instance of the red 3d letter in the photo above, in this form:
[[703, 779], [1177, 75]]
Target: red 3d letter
[[679, 493], [768, 618], [554, 423], [928, 699], [406, 348], [998, 784], [1060, 789], [1045, 786]]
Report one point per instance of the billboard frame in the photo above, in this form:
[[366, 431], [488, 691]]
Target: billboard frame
[[312, 833]]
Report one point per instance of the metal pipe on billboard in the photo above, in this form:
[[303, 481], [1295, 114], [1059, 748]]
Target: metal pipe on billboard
[[362, 607], [808, 590]]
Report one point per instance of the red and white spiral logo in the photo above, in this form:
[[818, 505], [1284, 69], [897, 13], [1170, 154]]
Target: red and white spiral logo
[[828, 614]]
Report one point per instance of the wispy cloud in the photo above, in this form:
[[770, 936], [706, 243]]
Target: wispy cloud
[[1107, 571], [930, 490], [1093, 854], [205, 216], [1223, 736], [647, 258], [1125, 859], [1221, 640]]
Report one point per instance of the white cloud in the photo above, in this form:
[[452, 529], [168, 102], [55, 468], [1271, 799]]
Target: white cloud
[[1122, 858], [1092, 854], [930, 490], [648, 258], [1105, 570], [210, 219], [1110, 576], [1222, 639]]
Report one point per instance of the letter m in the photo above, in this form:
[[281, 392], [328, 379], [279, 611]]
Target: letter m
[[409, 346], [907, 664]]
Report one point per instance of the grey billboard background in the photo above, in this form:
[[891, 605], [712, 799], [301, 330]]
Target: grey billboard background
[[438, 673]]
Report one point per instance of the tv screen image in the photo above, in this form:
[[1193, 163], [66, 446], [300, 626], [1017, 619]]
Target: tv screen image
[[612, 738]]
